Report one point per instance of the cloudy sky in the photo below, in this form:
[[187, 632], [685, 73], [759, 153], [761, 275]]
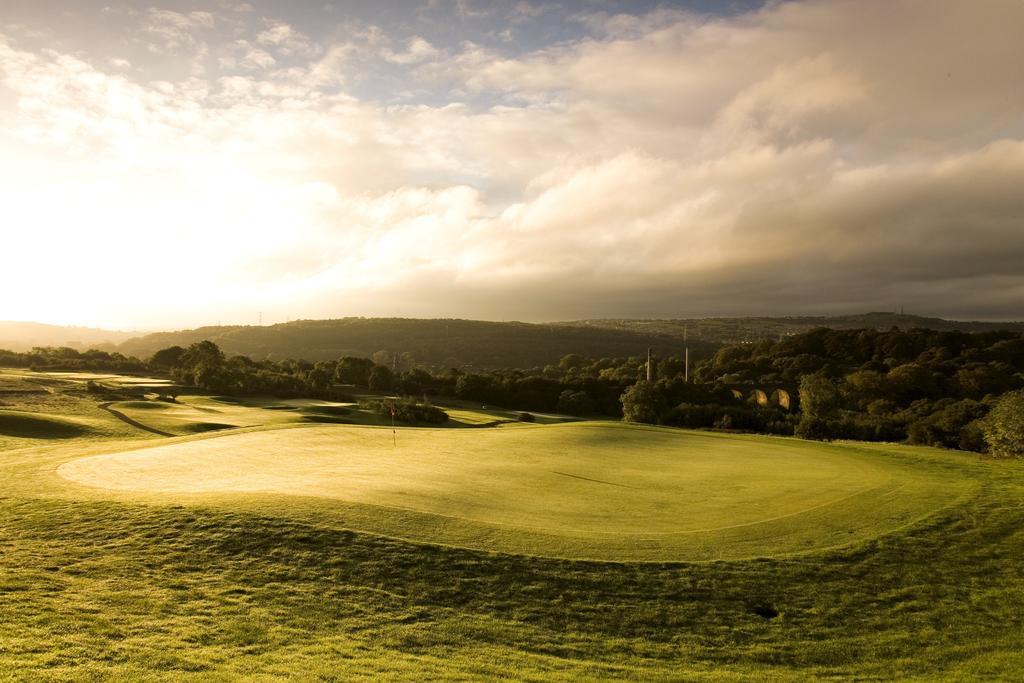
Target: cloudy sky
[[174, 163]]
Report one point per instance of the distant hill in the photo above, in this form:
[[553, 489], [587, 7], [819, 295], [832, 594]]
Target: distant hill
[[733, 330], [473, 343], [438, 343], [22, 336]]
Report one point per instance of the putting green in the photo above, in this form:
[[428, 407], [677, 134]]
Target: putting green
[[585, 490]]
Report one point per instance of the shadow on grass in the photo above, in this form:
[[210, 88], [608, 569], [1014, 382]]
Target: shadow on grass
[[36, 427]]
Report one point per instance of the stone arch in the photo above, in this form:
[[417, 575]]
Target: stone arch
[[782, 399], [758, 397]]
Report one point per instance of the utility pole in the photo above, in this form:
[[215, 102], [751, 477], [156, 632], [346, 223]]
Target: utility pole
[[686, 365], [650, 370], [261, 319]]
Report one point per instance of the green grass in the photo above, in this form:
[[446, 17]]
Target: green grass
[[195, 414], [196, 587], [604, 491]]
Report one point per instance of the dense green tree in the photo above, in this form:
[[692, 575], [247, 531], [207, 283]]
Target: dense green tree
[[473, 386], [572, 360], [820, 401], [575, 403], [1004, 426], [203, 364], [642, 402], [380, 379], [167, 358], [819, 397], [352, 370], [321, 376]]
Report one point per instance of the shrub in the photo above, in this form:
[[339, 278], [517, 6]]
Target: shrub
[[407, 411], [813, 428], [642, 402], [527, 417]]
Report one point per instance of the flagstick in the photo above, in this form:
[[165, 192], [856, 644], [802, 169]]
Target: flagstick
[[394, 434]]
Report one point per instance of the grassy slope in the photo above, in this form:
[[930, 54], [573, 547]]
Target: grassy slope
[[587, 490], [198, 414], [92, 587]]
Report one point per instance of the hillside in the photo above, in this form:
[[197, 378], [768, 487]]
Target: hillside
[[22, 336], [439, 343], [474, 343], [733, 330]]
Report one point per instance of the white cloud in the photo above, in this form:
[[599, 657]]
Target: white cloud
[[803, 156], [286, 40], [417, 50], [175, 31], [471, 9], [247, 56]]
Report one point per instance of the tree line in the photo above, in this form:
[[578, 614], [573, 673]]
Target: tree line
[[947, 388], [920, 386]]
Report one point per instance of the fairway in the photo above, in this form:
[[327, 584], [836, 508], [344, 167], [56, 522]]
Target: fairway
[[588, 490], [279, 543]]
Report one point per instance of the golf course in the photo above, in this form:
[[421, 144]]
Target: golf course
[[211, 537], [606, 491]]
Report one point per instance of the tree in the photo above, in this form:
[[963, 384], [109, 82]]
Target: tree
[[416, 381], [572, 360], [320, 376], [352, 370], [167, 358], [203, 365], [642, 402], [473, 386], [819, 402], [1004, 426], [819, 397], [575, 403], [380, 379]]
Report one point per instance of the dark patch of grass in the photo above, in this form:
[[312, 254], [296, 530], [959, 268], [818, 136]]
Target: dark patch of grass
[[326, 410], [143, 405], [326, 419], [25, 425], [765, 611], [200, 427]]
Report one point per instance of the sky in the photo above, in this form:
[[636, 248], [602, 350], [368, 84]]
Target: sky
[[172, 164]]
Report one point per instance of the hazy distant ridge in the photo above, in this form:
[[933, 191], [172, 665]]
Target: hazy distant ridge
[[22, 336], [436, 342], [475, 343], [753, 328]]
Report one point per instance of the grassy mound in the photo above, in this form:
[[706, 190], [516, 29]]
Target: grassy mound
[[33, 426], [589, 490]]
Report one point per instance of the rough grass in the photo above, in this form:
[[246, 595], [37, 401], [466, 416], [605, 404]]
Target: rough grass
[[102, 588], [93, 586]]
